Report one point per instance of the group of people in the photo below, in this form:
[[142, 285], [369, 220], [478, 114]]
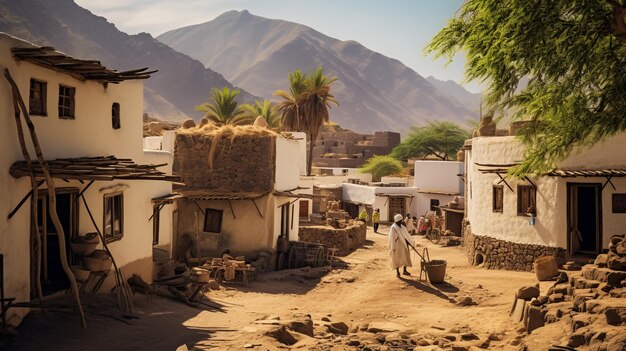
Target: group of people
[[400, 239]]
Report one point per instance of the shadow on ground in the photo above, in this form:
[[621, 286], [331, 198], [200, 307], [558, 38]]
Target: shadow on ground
[[438, 290], [160, 326]]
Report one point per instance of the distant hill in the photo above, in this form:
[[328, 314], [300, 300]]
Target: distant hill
[[452, 89], [180, 84], [375, 92]]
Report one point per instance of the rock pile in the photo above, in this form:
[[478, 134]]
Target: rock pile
[[591, 304]]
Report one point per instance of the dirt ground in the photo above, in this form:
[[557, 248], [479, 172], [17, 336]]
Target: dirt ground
[[363, 293]]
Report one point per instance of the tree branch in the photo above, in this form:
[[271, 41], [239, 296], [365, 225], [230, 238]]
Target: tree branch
[[619, 26]]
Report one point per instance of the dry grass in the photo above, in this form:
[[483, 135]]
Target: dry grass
[[229, 134]]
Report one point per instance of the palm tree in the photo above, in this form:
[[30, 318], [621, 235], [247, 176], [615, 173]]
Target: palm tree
[[224, 108], [305, 107], [265, 109]]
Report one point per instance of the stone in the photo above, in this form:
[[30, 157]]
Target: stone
[[598, 337], [338, 328], [469, 336], [615, 316], [605, 275], [528, 292], [353, 342], [282, 335], [576, 339], [601, 260], [464, 301], [494, 337], [450, 337], [188, 123], [616, 343], [459, 348], [424, 342], [383, 327], [556, 297], [326, 319], [301, 325], [616, 262], [578, 321], [535, 319], [543, 299]]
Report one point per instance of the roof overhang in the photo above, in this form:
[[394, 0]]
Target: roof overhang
[[217, 195], [567, 173], [438, 192], [48, 57], [394, 195], [104, 168]]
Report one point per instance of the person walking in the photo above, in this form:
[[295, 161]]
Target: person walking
[[376, 219], [363, 216], [400, 242]]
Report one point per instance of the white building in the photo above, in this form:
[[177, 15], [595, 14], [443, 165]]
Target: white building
[[435, 183], [575, 208], [76, 115], [244, 206]]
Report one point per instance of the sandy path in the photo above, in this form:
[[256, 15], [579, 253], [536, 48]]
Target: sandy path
[[366, 291]]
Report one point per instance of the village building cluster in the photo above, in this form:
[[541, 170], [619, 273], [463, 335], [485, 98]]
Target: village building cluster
[[202, 193]]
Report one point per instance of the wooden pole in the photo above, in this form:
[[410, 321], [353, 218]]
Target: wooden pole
[[52, 208], [34, 220]]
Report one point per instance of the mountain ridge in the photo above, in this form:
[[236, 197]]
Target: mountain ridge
[[181, 82], [375, 92]]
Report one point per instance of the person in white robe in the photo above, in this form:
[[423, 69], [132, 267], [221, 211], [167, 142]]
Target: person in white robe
[[400, 242]]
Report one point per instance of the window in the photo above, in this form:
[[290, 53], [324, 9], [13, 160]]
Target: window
[[156, 222], [113, 217], [284, 220], [37, 98], [526, 200], [619, 203], [498, 195], [115, 116], [66, 102], [213, 220], [433, 204]]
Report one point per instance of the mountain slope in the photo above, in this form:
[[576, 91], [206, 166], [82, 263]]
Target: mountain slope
[[471, 100], [181, 81], [374, 91]]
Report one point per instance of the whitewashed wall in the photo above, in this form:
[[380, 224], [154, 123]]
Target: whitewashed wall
[[287, 170], [551, 223], [89, 134], [438, 175]]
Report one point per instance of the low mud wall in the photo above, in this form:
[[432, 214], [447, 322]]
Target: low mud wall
[[346, 240], [500, 254]]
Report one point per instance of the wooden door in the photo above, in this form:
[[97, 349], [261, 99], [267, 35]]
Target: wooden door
[[304, 209], [584, 234], [397, 205]]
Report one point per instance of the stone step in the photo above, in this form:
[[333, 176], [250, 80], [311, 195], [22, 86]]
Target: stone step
[[605, 275], [598, 306], [583, 283]]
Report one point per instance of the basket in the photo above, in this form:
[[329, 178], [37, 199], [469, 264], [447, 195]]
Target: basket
[[436, 270], [546, 268]]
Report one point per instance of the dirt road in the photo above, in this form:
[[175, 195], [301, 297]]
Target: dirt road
[[364, 293]]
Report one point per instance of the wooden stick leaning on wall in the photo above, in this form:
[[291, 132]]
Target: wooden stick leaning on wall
[[123, 290], [34, 220], [52, 208]]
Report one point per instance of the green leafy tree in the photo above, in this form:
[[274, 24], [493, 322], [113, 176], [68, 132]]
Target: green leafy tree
[[573, 54], [224, 108], [439, 139], [305, 106], [381, 166], [265, 109]]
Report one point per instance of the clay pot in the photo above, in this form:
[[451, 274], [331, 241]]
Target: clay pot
[[80, 273], [99, 261]]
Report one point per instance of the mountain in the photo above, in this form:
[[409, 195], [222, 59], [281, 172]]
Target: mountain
[[375, 92], [180, 84], [451, 88]]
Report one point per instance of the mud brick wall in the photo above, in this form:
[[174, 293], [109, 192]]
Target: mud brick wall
[[241, 164], [320, 204], [501, 254], [346, 240]]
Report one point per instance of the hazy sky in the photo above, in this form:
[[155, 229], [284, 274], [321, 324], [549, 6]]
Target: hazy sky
[[396, 28]]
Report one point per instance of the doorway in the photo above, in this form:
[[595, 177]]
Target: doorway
[[397, 205], [53, 278], [584, 219]]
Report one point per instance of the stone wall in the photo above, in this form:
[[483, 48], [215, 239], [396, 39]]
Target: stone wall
[[240, 164], [320, 203], [499, 254], [346, 240]]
